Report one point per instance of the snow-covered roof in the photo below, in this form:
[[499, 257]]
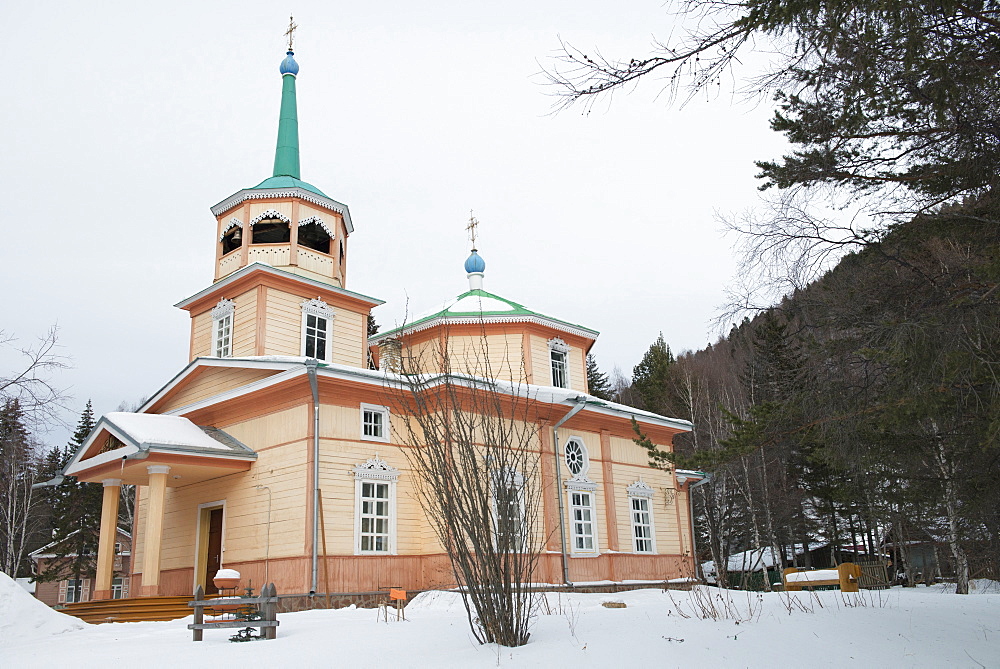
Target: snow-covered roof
[[293, 366], [154, 429], [142, 432]]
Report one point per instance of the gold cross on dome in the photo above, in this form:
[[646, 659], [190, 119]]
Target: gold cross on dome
[[471, 227], [290, 33]]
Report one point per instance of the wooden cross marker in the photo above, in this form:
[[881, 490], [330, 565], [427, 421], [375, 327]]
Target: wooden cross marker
[[290, 33]]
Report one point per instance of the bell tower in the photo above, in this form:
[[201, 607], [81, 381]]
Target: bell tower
[[281, 265], [284, 221]]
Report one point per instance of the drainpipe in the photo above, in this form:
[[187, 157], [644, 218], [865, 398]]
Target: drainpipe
[[694, 534], [580, 403], [311, 365]]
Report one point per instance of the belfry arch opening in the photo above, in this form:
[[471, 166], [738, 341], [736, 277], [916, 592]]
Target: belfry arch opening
[[271, 231], [313, 236], [232, 240]]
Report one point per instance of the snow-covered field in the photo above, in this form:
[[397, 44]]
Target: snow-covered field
[[922, 627]]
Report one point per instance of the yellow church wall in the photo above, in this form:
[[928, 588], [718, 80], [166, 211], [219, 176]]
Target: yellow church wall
[[496, 356], [662, 505], [542, 367], [201, 334], [284, 329], [244, 327], [628, 452], [211, 382]]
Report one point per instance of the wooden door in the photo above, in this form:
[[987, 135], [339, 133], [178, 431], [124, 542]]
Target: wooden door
[[214, 561]]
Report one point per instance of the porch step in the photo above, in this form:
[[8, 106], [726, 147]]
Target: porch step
[[130, 610]]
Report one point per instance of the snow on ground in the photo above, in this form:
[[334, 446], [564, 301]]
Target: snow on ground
[[919, 627], [22, 617]]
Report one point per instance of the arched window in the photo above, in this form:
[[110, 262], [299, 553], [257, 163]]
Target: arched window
[[232, 239], [315, 235], [271, 227], [271, 231]]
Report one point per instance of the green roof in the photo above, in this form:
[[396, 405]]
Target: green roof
[[287, 182], [478, 303]]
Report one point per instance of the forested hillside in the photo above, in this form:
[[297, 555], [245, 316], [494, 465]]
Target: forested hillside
[[861, 410]]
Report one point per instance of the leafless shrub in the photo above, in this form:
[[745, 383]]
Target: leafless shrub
[[472, 443]]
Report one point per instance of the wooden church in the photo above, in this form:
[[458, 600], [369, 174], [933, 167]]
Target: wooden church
[[276, 450]]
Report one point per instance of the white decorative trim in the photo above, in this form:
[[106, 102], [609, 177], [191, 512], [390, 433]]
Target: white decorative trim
[[318, 221], [376, 469], [233, 223], [640, 489], [537, 320], [223, 308], [111, 483], [317, 307], [583, 552], [557, 344], [268, 193], [270, 213], [158, 469], [580, 482]]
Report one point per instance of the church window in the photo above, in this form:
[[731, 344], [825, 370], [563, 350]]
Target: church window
[[576, 457], [270, 227], [313, 234], [317, 322], [375, 507], [639, 496], [222, 328], [582, 514], [374, 422], [510, 528], [559, 362]]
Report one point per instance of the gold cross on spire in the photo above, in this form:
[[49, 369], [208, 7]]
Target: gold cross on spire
[[471, 227], [290, 33]]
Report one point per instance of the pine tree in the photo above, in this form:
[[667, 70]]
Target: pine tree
[[651, 377], [76, 508], [597, 381]]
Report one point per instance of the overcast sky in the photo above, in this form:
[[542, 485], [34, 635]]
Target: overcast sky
[[124, 122]]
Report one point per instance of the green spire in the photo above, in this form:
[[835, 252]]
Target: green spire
[[286, 156]]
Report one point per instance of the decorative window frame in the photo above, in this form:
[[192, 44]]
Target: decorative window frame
[[320, 309], [375, 470], [642, 490], [557, 345], [377, 408], [321, 223], [233, 223], [268, 215], [224, 311]]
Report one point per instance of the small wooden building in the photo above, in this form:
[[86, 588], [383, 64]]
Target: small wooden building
[[280, 431]]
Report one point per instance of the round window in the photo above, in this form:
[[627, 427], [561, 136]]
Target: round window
[[576, 457]]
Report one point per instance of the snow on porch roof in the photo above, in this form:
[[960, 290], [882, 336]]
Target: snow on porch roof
[[157, 430]]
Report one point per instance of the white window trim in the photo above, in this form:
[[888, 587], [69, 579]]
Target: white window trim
[[375, 470], [558, 345], [321, 309], [573, 550], [642, 490], [225, 309], [384, 410]]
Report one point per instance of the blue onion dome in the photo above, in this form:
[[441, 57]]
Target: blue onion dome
[[475, 263], [288, 65]]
